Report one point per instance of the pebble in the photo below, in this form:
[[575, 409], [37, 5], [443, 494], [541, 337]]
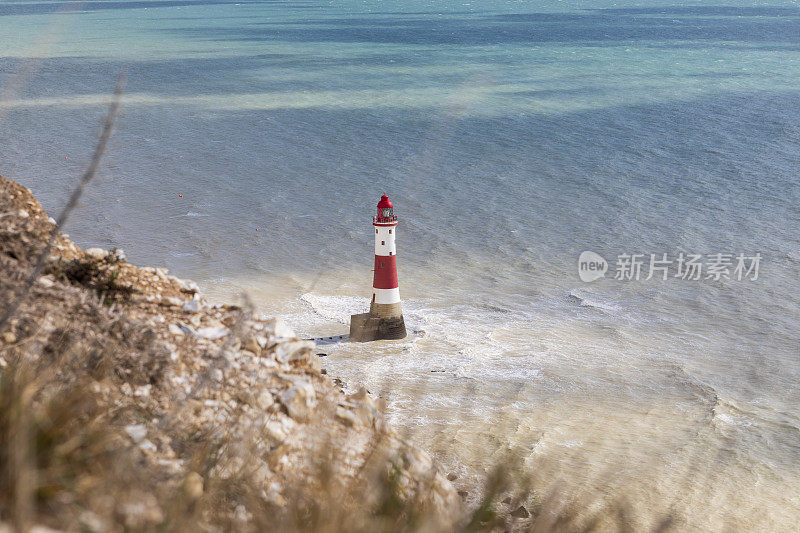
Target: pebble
[[213, 332], [39, 528], [137, 432], [97, 253], [173, 300], [46, 281], [118, 255], [193, 485], [265, 400], [346, 416], [241, 514], [299, 400], [22, 213], [274, 431], [287, 351], [276, 327], [89, 521], [188, 285], [147, 446], [253, 345]]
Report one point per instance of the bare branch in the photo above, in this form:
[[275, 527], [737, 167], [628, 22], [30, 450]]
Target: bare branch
[[88, 175]]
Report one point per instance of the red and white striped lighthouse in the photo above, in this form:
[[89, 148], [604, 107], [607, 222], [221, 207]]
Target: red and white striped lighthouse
[[385, 289], [385, 317]]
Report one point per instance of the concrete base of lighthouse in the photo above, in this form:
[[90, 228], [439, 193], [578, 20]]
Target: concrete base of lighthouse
[[383, 322]]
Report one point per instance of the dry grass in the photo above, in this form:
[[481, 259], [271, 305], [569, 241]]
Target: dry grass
[[65, 463], [97, 275]]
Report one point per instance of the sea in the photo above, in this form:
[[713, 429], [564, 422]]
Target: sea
[[256, 137]]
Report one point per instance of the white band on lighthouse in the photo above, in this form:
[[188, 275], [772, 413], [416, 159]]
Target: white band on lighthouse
[[386, 296], [384, 240]]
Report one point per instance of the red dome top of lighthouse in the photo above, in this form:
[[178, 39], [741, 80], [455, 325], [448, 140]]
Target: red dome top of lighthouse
[[386, 216], [385, 202]]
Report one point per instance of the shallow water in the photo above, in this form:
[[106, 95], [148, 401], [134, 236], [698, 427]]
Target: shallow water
[[511, 136]]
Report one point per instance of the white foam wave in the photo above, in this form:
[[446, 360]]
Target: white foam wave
[[587, 299], [190, 214], [335, 308], [732, 420]]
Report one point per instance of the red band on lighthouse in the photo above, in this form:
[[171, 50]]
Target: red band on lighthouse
[[385, 272]]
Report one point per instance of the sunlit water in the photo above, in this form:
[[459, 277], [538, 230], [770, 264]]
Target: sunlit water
[[511, 136]]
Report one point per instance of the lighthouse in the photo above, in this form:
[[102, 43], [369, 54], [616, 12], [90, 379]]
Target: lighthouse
[[385, 317]]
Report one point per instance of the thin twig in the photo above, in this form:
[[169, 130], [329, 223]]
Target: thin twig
[[88, 175]]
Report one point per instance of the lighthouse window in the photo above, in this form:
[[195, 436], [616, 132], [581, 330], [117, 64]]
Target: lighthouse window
[[390, 253], [383, 242], [390, 232], [376, 230]]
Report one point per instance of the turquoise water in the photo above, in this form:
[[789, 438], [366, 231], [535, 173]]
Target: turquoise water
[[511, 137]]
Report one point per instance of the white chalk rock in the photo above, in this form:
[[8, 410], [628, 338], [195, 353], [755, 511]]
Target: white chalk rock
[[180, 329], [46, 281], [192, 306], [213, 332], [287, 351], [193, 485], [137, 432], [265, 400], [274, 431], [97, 253], [147, 446], [188, 285], [38, 528], [117, 255], [346, 416], [22, 213], [418, 463], [275, 327], [299, 400]]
